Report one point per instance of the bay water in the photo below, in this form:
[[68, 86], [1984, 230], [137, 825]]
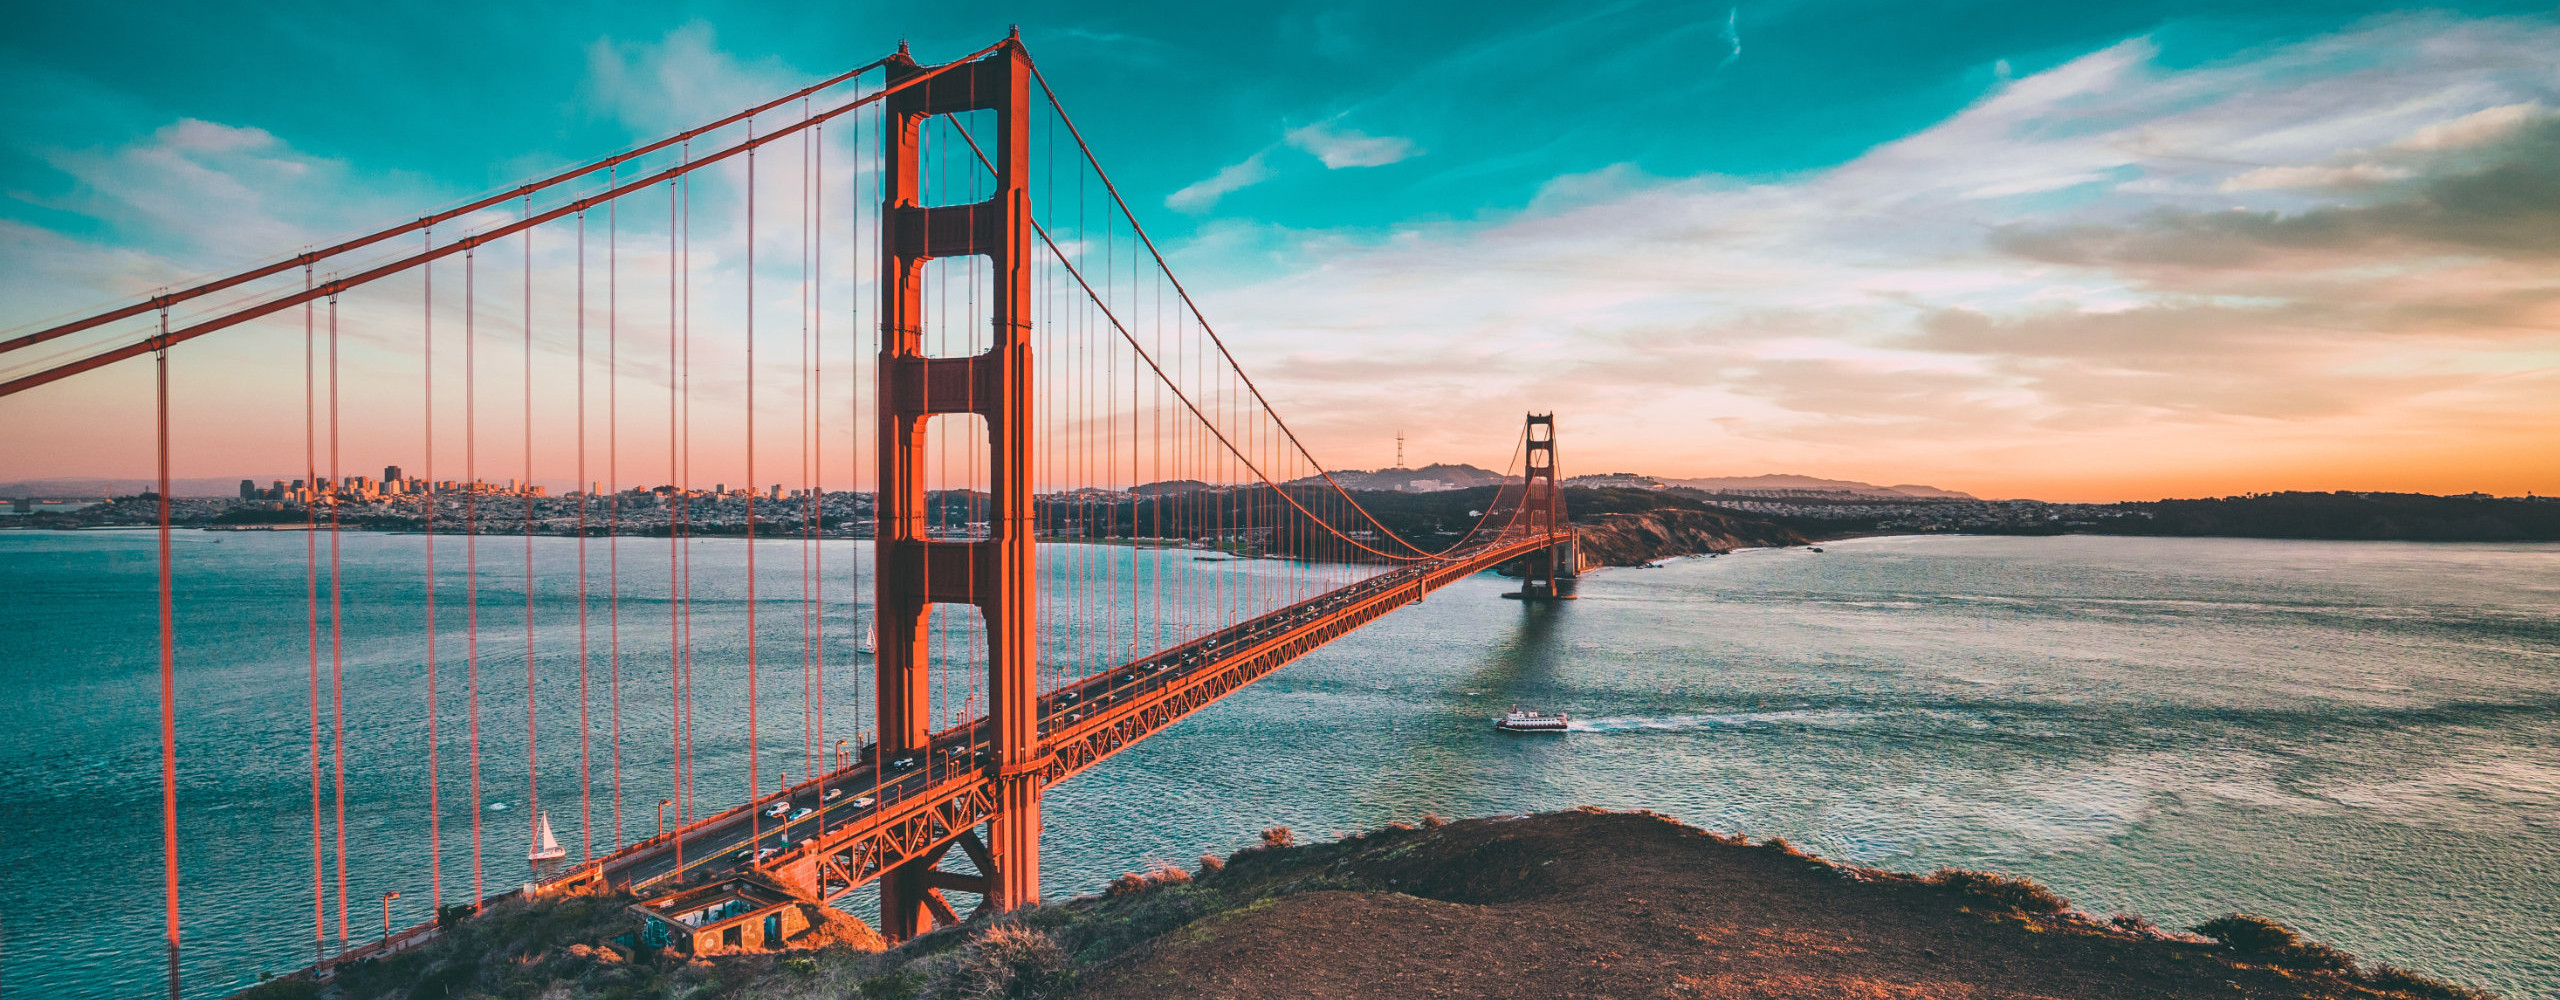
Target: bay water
[[2361, 740]]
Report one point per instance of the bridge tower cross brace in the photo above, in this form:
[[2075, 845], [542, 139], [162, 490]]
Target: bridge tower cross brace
[[997, 575]]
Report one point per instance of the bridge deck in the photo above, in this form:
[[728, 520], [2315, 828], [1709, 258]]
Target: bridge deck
[[880, 816]]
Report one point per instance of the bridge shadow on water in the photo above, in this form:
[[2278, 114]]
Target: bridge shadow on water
[[1529, 654], [1447, 757]]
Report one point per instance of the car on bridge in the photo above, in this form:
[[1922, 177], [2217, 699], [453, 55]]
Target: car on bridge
[[778, 808]]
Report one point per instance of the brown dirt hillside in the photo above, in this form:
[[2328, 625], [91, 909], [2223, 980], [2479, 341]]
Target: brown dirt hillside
[[1638, 537], [1584, 904], [1593, 904]]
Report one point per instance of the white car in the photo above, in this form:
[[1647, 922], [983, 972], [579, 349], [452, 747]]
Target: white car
[[767, 853], [863, 802], [832, 795], [778, 808], [801, 812]]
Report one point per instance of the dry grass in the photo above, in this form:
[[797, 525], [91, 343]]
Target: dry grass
[[2007, 892], [1005, 961], [1158, 876]]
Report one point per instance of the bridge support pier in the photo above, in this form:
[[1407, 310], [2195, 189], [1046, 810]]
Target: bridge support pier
[[1553, 574], [996, 574]]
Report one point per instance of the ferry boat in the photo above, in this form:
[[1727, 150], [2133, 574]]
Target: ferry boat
[[545, 846], [1531, 722]]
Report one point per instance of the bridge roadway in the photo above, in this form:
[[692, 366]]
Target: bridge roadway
[[822, 846]]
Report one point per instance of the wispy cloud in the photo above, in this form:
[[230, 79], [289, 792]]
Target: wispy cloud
[[1202, 195], [1336, 148], [682, 79], [1732, 36], [1340, 148]]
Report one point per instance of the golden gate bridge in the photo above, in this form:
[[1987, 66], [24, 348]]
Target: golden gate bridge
[[1018, 366]]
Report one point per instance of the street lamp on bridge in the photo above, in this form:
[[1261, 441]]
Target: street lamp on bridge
[[386, 915], [662, 815]]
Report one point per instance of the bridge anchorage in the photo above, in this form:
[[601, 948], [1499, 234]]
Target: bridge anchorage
[[1196, 544]]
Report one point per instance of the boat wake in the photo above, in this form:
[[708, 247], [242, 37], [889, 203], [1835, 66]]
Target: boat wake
[[1737, 720]]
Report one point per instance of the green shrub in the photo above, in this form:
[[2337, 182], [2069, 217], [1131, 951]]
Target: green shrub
[[2314, 955], [1005, 962], [1125, 922], [2391, 977], [2133, 923], [2007, 892], [2249, 935], [894, 986], [2259, 936]]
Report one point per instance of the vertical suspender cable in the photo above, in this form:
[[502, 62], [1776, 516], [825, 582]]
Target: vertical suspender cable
[[754, 824], [471, 540], [311, 613], [613, 477], [813, 280], [685, 377], [675, 632], [337, 635], [427, 505], [808, 728], [168, 682], [532, 745], [684, 799], [586, 732], [853, 448]]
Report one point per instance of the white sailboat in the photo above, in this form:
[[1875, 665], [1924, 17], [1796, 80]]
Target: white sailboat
[[545, 846]]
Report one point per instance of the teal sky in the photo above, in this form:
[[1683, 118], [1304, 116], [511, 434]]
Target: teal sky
[[1893, 242], [1497, 99]]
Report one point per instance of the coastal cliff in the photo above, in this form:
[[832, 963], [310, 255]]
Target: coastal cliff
[[1637, 538]]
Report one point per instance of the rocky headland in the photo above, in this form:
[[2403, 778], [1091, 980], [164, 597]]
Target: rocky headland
[[1584, 903]]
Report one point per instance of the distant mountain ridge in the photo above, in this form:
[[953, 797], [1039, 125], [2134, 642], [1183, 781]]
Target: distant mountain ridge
[[81, 488], [1783, 481], [1436, 476]]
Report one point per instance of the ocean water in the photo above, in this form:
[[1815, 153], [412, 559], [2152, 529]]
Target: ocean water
[[2358, 739]]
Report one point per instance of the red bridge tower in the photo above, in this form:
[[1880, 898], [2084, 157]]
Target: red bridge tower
[[996, 574], [1550, 575]]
